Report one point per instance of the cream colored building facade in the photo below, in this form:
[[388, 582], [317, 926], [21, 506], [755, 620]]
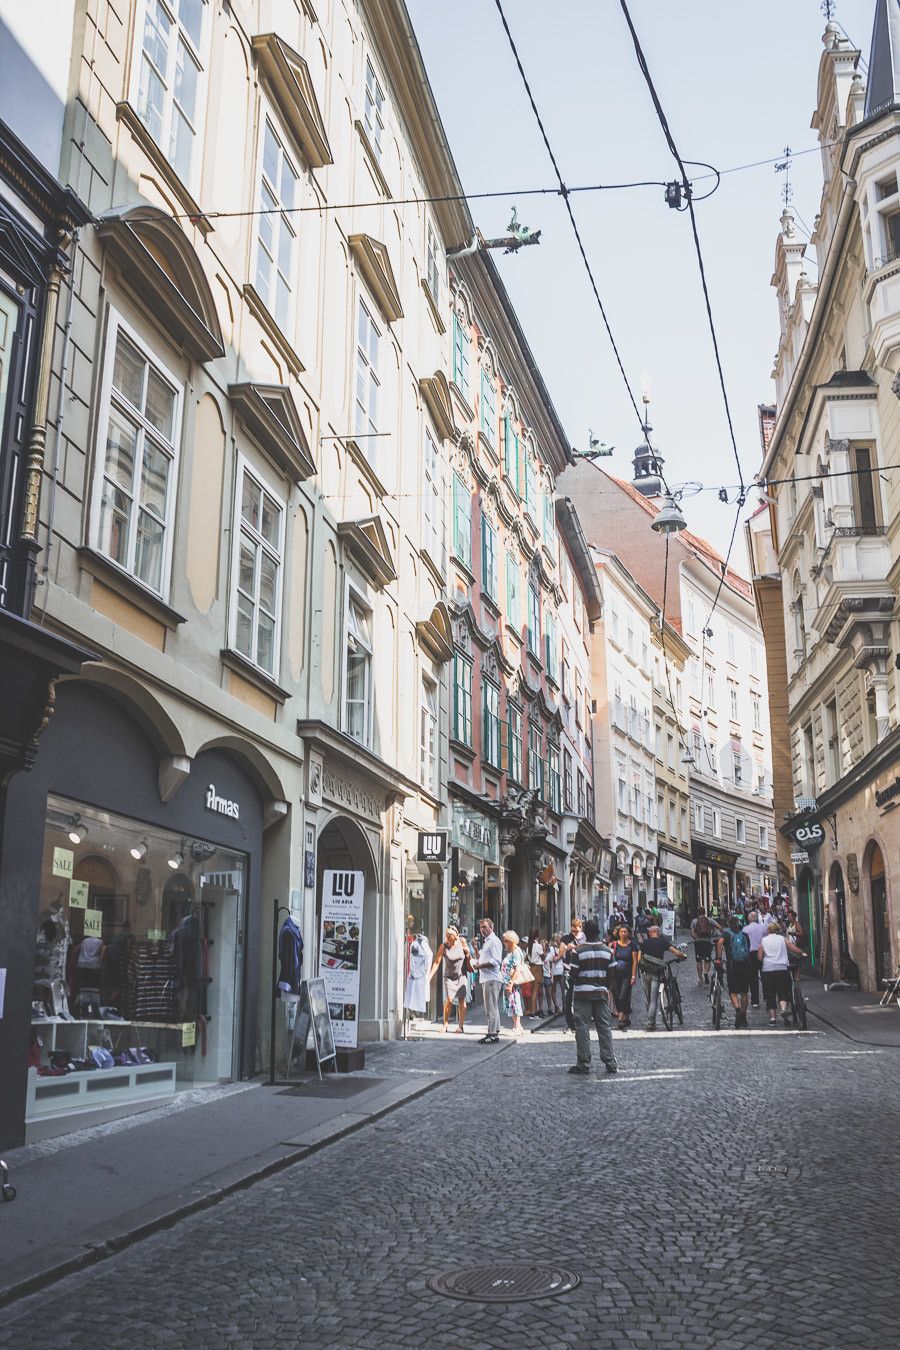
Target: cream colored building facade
[[245, 486], [834, 527], [676, 870]]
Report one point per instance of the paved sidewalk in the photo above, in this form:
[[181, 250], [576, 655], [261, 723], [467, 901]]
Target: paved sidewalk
[[854, 1013], [85, 1195]]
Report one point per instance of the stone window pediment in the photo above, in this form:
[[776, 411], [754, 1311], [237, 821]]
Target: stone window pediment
[[367, 543], [162, 269], [272, 419], [291, 87], [374, 263], [436, 392]]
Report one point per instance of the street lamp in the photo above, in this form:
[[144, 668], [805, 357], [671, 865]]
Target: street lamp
[[669, 520]]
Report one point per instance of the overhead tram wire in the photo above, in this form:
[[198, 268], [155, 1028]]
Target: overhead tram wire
[[565, 193], [670, 140]]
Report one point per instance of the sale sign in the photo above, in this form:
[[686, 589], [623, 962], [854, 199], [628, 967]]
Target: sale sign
[[339, 949]]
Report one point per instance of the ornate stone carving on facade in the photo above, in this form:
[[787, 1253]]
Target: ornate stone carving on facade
[[344, 792]]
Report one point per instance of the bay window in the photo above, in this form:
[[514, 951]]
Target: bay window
[[140, 425]]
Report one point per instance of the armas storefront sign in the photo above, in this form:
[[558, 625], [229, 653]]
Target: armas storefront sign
[[221, 805]]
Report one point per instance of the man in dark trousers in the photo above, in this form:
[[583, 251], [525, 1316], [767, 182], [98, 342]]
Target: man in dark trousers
[[589, 977]]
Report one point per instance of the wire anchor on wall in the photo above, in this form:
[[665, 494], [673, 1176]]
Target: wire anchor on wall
[[517, 236]]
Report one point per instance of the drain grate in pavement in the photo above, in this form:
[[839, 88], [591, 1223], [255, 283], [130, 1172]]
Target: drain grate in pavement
[[771, 1170], [514, 1283], [333, 1085]]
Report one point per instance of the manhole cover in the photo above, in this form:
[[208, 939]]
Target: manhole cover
[[504, 1284]]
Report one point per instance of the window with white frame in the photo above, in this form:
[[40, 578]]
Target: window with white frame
[[740, 830], [259, 560], [717, 822], [514, 725], [757, 714], [699, 817], [373, 112], [551, 649], [432, 494], [732, 644], [368, 383], [139, 434], [462, 521], [549, 522], [553, 778], [169, 78], [490, 722], [488, 558], [428, 721], [513, 592], [536, 758], [733, 696], [568, 796], [461, 353], [534, 620], [462, 698], [530, 484], [276, 234], [432, 263], [358, 671], [488, 409], [764, 837]]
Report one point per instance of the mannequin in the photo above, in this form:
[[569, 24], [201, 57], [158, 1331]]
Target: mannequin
[[415, 998], [53, 945]]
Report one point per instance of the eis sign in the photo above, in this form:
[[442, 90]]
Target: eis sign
[[809, 836]]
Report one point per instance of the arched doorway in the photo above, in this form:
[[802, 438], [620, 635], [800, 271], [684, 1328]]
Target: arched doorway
[[343, 847], [880, 929], [839, 908]]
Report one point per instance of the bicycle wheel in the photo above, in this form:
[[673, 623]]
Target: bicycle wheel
[[799, 1006], [676, 1002], [665, 1007], [717, 1006]]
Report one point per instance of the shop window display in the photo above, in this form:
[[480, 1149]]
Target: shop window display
[[138, 961]]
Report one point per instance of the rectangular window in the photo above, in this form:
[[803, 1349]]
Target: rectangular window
[[614, 622], [670, 751], [535, 758], [757, 714], [534, 621], [864, 497], [568, 786], [622, 796], [514, 723], [582, 793], [460, 354], [276, 234], [566, 675], [730, 636], [553, 775], [513, 601], [549, 522], [737, 768], [740, 830], [672, 822], [373, 112], [428, 720], [488, 558], [365, 414], [462, 698], [169, 77], [140, 428], [764, 837], [488, 409], [809, 761], [490, 723], [550, 647], [754, 657], [684, 825], [691, 618], [462, 521], [259, 556], [637, 798], [733, 695], [530, 485], [658, 743], [578, 700], [511, 452], [832, 742], [358, 672], [432, 502], [565, 574], [699, 818], [717, 822], [432, 264]]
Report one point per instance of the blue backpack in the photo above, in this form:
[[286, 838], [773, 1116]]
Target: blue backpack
[[740, 947]]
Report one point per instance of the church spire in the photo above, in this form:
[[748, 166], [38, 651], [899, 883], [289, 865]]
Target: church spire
[[884, 59], [648, 463]]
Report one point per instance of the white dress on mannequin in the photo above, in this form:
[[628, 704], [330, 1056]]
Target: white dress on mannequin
[[420, 960]]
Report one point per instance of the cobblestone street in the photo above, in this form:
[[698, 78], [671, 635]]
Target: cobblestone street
[[721, 1190]]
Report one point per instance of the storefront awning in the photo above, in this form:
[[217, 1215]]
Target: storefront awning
[[673, 862]]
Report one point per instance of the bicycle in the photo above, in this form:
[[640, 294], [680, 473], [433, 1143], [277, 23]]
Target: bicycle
[[798, 1002], [716, 995], [670, 997]]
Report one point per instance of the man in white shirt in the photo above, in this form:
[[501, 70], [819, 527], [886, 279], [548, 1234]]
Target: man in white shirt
[[488, 966], [756, 930]]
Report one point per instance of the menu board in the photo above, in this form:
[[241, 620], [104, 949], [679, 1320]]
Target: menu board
[[339, 947]]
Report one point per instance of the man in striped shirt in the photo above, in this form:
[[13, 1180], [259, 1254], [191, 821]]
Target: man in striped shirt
[[589, 977]]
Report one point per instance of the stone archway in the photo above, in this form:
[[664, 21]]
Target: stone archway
[[881, 933], [342, 845]]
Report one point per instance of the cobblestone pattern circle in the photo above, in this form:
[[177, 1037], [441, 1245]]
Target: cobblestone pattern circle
[[511, 1283]]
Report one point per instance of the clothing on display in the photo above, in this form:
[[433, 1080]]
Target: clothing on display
[[151, 974], [415, 997], [290, 957]]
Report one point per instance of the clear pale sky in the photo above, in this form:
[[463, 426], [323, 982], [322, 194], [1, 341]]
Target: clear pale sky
[[737, 83]]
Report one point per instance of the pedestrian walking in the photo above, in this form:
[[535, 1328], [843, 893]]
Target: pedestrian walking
[[559, 975], [703, 932], [511, 970], [454, 958], [589, 975], [570, 941], [734, 946], [487, 962], [653, 954], [756, 930], [774, 952], [534, 955], [549, 962], [626, 955]]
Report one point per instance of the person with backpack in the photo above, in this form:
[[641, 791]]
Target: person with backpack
[[734, 946], [702, 931]]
